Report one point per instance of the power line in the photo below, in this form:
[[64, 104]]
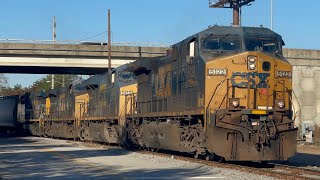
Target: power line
[[92, 36], [77, 41]]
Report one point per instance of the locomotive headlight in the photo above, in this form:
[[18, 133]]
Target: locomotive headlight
[[252, 62], [252, 66], [235, 104], [252, 59], [280, 104]]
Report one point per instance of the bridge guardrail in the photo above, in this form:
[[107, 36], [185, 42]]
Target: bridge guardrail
[[82, 42]]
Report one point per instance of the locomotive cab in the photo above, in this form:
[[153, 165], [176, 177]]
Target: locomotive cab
[[248, 88]]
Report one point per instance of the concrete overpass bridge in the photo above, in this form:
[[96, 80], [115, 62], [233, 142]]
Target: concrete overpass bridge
[[44, 57], [85, 58]]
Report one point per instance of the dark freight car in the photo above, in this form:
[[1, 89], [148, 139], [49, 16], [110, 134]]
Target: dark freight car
[[8, 114]]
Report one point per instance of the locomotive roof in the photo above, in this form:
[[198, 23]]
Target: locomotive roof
[[95, 80], [144, 64], [242, 31], [52, 92], [40, 94], [238, 31]]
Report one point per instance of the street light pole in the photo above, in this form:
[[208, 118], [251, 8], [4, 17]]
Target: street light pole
[[109, 42], [52, 81], [62, 83]]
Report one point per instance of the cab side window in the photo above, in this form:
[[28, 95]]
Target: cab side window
[[191, 51]]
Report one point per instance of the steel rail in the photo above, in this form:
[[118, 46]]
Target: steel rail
[[273, 170]]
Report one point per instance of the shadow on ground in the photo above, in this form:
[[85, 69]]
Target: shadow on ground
[[303, 160], [26, 159]]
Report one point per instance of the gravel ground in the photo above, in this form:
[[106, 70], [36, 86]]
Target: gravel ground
[[38, 158]]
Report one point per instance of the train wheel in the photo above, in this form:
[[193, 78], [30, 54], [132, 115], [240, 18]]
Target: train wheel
[[209, 157], [196, 155], [220, 159]]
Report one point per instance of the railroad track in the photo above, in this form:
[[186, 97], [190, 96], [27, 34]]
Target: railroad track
[[276, 170], [301, 172], [270, 169]]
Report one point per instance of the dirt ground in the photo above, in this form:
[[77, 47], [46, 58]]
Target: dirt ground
[[309, 149]]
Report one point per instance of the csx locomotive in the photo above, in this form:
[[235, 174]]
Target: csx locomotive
[[222, 93]]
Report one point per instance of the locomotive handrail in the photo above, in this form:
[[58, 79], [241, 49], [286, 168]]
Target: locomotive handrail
[[132, 103], [212, 96], [227, 93], [214, 93], [298, 112]]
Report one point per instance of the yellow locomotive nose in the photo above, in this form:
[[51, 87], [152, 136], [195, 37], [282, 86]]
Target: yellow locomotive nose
[[255, 78], [253, 99]]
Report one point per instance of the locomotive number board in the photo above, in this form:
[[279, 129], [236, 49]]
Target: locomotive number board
[[284, 74], [125, 93], [217, 72]]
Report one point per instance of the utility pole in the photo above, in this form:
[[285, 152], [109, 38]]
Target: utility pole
[[109, 43], [234, 4], [54, 36], [271, 14], [63, 80], [240, 20]]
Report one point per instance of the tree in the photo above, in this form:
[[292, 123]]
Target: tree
[[4, 85], [3, 81], [16, 90], [45, 83]]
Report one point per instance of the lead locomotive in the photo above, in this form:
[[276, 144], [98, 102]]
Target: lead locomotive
[[223, 92]]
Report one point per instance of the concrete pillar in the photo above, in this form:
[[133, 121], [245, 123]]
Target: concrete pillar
[[308, 97], [317, 92], [296, 82]]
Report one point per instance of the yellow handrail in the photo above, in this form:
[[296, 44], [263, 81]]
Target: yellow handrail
[[215, 92]]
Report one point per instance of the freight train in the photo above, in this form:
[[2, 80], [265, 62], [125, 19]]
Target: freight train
[[224, 93]]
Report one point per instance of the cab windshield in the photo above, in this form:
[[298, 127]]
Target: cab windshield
[[267, 45], [227, 43]]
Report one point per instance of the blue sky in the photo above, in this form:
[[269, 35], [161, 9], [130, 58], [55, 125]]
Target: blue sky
[[165, 21]]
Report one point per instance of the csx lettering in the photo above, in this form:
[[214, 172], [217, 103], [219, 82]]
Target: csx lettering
[[251, 79]]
